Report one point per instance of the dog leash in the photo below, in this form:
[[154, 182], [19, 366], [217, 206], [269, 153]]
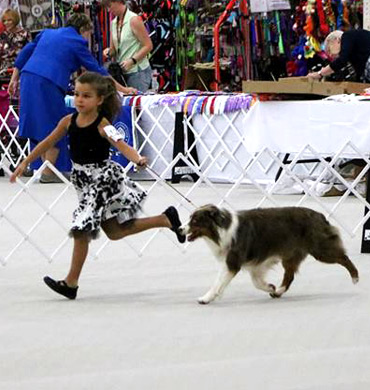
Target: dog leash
[[171, 186]]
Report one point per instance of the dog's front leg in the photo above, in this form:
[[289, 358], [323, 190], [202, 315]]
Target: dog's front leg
[[224, 277]]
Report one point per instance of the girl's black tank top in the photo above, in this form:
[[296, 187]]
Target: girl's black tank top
[[86, 144]]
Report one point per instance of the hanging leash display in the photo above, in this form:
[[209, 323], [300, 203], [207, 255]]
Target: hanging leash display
[[218, 25]]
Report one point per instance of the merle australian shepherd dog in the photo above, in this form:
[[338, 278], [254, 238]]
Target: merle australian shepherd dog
[[259, 238]]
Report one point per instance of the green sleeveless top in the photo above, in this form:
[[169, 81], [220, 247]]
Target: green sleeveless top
[[126, 44]]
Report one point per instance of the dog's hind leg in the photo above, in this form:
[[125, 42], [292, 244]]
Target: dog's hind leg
[[342, 260], [290, 266], [224, 277]]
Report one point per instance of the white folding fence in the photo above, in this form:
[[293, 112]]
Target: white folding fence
[[230, 175]]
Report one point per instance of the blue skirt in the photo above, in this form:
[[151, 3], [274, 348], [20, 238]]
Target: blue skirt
[[42, 106]]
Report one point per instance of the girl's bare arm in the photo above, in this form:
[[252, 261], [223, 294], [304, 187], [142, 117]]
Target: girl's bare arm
[[126, 150], [43, 146]]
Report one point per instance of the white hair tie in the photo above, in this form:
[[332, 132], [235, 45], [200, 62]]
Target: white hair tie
[[113, 133]]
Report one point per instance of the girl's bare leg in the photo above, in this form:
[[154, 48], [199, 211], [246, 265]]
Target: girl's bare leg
[[116, 231], [80, 249]]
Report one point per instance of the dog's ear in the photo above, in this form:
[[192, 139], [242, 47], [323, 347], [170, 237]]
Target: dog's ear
[[222, 217], [213, 211]]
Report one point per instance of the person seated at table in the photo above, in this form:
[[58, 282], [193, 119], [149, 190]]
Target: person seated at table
[[352, 47], [12, 39]]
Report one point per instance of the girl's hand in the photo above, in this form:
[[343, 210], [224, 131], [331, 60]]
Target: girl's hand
[[18, 172], [143, 162]]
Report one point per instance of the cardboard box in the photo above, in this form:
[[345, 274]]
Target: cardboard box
[[328, 88], [267, 87], [303, 85]]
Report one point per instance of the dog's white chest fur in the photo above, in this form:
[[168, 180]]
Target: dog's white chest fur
[[221, 250]]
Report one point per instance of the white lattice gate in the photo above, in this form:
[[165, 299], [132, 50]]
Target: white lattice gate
[[216, 148]]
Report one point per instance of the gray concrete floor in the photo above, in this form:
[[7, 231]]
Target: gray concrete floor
[[136, 323]]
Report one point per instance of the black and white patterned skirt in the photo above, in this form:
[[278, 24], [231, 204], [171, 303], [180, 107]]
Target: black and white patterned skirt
[[104, 191], [366, 74]]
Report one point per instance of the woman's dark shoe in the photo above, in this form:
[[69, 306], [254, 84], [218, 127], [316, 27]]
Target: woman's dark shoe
[[47, 179], [173, 216], [61, 287], [28, 172]]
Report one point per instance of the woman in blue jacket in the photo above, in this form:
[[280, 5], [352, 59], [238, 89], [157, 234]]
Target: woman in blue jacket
[[45, 66]]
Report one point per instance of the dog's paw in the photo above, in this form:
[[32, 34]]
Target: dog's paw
[[355, 280], [278, 292], [205, 299]]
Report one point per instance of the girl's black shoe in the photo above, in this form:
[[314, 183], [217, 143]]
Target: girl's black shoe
[[173, 216], [61, 287]]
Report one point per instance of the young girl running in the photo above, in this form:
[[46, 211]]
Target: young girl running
[[107, 198]]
